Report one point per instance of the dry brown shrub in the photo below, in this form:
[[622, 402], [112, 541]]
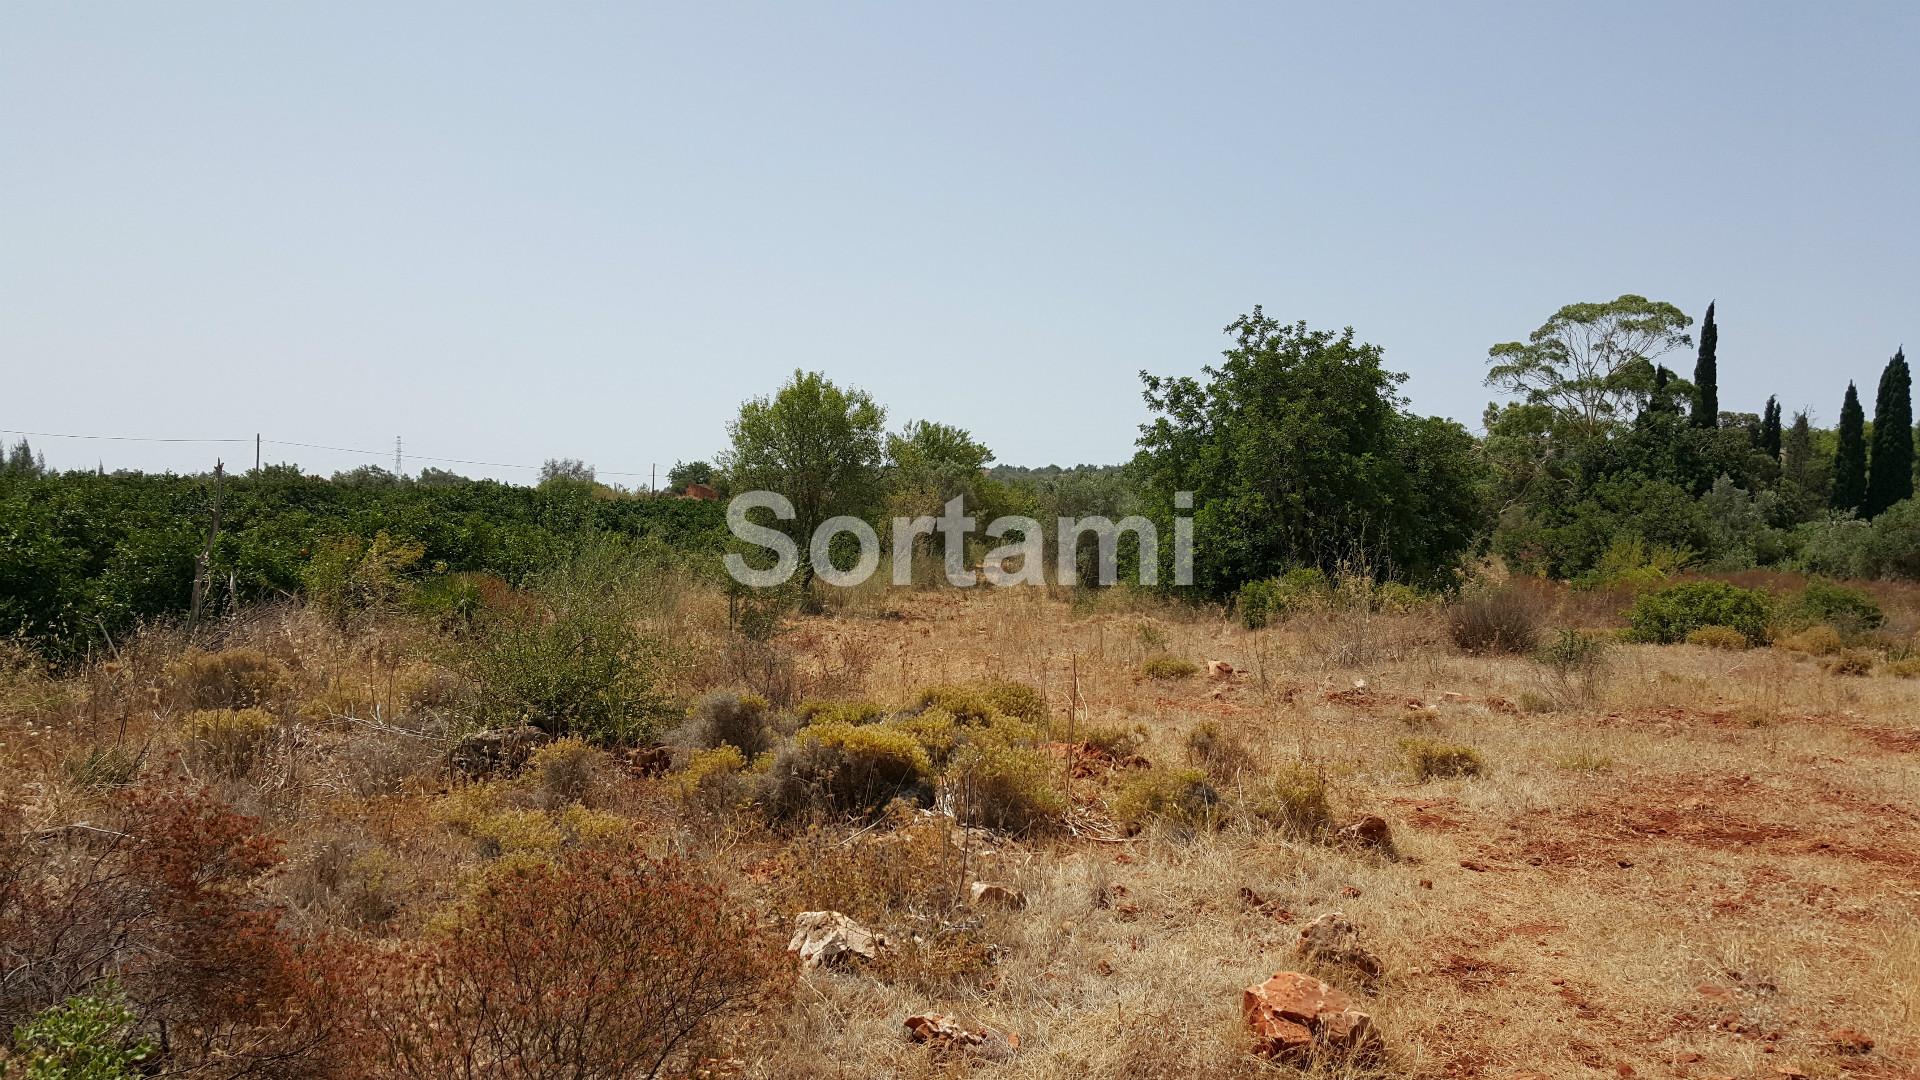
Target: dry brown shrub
[[1505, 619]]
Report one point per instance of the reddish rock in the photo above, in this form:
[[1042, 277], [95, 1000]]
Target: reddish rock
[[1849, 1041], [1218, 669], [945, 1033], [1371, 831], [1296, 1017], [994, 894]]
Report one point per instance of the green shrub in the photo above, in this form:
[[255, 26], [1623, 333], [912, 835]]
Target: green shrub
[[1821, 640], [1293, 799], [849, 768], [724, 718], [1181, 796], [573, 663], [1223, 754], [1015, 699], [1632, 563], [564, 771], [1167, 668], [1718, 637], [1261, 602], [1505, 619], [229, 742], [1116, 740], [843, 712], [1440, 761], [965, 704], [1667, 615], [1849, 611], [1004, 787], [715, 781], [350, 577], [86, 1038]]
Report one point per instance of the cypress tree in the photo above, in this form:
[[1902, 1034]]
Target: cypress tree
[[1770, 429], [1892, 477], [1850, 456], [1706, 376]]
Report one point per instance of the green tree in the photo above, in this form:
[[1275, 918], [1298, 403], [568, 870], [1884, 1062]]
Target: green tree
[[1891, 476], [1770, 429], [1298, 454], [1592, 362], [1706, 375], [1850, 456], [818, 445], [684, 473], [566, 471], [22, 461], [1804, 474]]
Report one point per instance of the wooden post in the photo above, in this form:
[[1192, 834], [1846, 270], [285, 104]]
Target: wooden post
[[205, 559]]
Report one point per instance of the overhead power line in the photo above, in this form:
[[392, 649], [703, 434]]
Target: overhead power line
[[307, 446]]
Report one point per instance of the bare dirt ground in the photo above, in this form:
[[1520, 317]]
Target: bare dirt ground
[[1708, 866], [1696, 863]]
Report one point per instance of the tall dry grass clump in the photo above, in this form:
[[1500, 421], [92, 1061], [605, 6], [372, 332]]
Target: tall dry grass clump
[[1499, 619]]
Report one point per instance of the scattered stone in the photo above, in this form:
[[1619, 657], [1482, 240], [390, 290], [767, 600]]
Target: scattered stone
[[994, 894], [1351, 892], [1370, 831], [1331, 939], [650, 761], [1296, 1017], [945, 1033], [824, 938], [484, 753], [1849, 1041], [1426, 883], [1476, 867], [1217, 669]]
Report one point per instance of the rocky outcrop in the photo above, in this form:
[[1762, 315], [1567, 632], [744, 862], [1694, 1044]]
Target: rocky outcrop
[[1297, 1019]]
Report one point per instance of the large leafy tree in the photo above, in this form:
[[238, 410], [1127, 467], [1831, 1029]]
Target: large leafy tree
[[1706, 375], [1891, 477], [1299, 453], [1593, 363], [1850, 456], [818, 445]]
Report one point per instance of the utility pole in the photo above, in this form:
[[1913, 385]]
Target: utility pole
[[256, 451], [201, 564], [396, 456]]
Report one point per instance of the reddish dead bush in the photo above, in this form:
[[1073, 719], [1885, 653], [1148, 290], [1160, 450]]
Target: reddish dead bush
[[607, 965], [162, 904]]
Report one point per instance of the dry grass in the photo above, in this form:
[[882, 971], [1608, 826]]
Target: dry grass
[[1687, 862]]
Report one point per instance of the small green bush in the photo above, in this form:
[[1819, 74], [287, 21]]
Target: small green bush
[[229, 742], [85, 1038], [849, 768], [1223, 754], [1261, 602], [1668, 615], [564, 771], [965, 704], [1441, 761], [1848, 610], [1718, 637], [743, 721], [1004, 787], [715, 781], [1181, 796], [842, 712], [1820, 640], [1165, 668], [1115, 740], [1015, 699], [573, 663], [1293, 800]]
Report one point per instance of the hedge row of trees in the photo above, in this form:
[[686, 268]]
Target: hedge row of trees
[[1298, 447], [84, 557]]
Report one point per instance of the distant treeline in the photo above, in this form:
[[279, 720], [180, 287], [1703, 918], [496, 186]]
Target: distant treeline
[[85, 558]]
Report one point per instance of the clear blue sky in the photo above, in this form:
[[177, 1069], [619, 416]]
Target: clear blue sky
[[511, 232]]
